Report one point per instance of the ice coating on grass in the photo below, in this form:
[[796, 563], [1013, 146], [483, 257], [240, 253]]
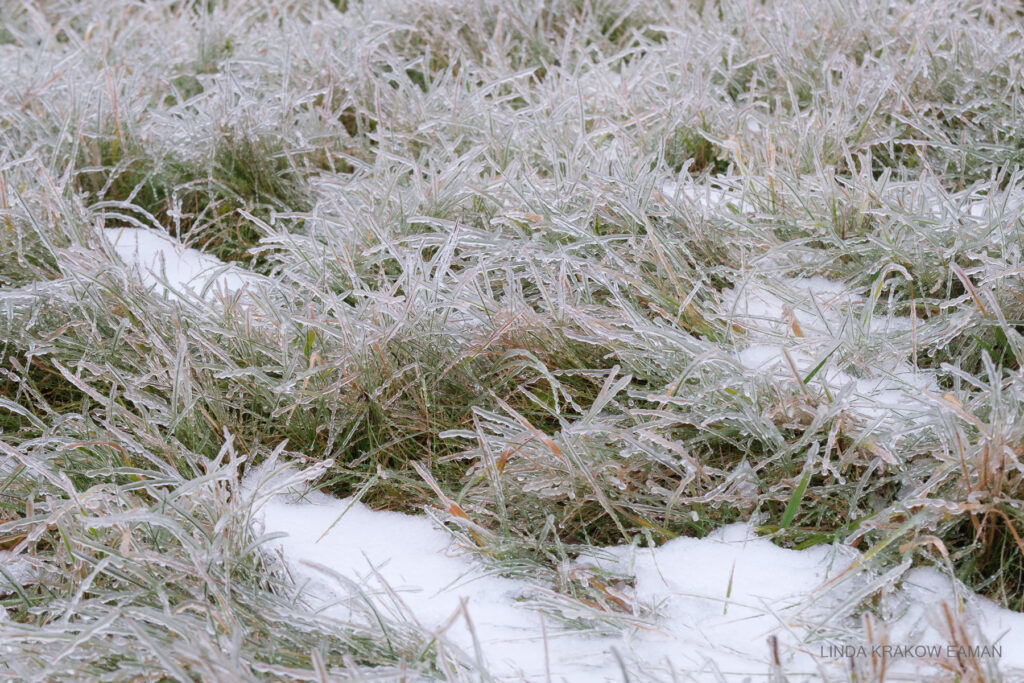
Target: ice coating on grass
[[167, 266], [980, 207], [17, 570], [704, 607]]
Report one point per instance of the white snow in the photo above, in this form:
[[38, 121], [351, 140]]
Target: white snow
[[988, 624], [707, 197], [168, 267], [719, 598], [702, 607], [798, 323], [390, 553]]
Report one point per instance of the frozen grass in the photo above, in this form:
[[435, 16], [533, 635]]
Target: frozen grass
[[568, 274]]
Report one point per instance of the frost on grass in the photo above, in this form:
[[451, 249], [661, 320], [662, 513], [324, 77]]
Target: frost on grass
[[568, 276]]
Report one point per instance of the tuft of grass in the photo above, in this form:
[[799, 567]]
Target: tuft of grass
[[218, 203]]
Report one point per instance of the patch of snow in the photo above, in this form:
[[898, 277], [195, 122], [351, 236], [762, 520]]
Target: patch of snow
[[886, 396], [816, 303], [716, 601], [168, 267], [979, 207], [762, 357], [719, 599], [798, 323], [985, 623], [707, 197], [387, 553]]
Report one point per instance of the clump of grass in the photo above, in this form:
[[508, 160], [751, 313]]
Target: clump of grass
[[216, 203]]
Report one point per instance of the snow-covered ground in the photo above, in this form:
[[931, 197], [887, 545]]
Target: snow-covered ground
[[724, 607], [168, 267], [795, 328]]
